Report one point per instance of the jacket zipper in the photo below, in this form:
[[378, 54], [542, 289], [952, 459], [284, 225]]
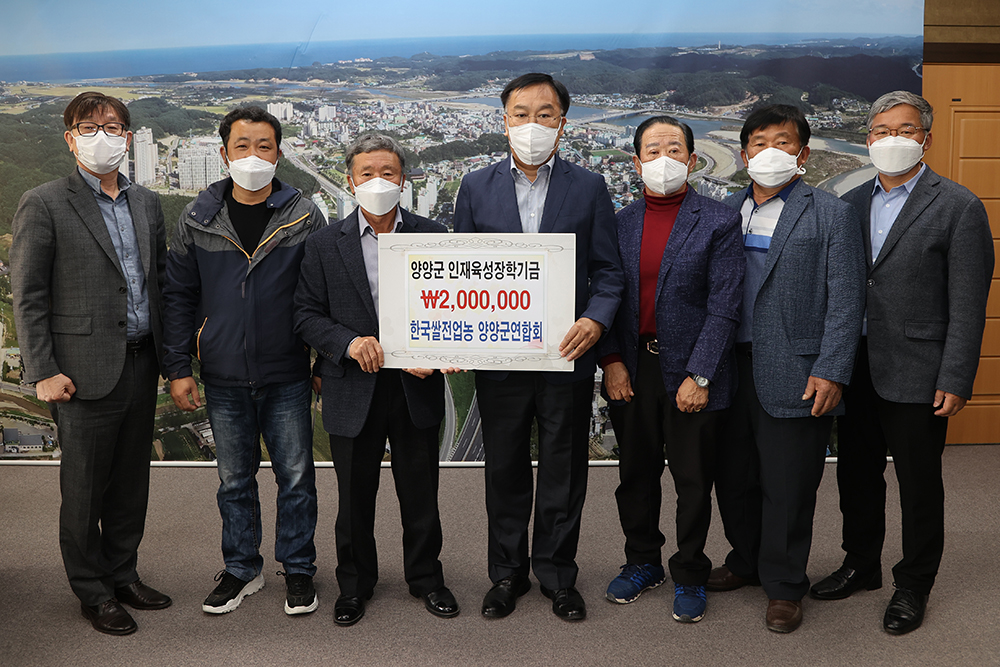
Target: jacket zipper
[[198, 338]]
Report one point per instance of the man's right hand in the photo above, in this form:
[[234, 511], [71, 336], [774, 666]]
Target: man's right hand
[[181, 389], [617, 382], [56, 389], [368, 353]]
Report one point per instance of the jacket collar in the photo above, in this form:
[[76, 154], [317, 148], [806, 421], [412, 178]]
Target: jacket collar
[[211, 200]]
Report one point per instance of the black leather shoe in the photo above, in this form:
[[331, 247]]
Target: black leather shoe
[[502, 598], [140, 596], [348, 610], [110, 618], [567, 603], [441, 602], [844, 583], [905, 612]]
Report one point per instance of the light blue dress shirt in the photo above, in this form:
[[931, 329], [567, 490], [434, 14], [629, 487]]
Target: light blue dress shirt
[[118, 219], [531, 195]]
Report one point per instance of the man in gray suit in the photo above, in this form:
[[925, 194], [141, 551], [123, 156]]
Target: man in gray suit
[[87, 260], [929, 253], [803, 301], [336, 312]]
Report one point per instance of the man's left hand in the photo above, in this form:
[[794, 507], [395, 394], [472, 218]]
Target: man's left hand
[[827, 394], [317, 385], [420, 372], [580, 338], [950, 404], [691, 397]]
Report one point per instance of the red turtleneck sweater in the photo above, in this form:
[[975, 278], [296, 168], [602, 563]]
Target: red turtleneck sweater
[[657, 223]]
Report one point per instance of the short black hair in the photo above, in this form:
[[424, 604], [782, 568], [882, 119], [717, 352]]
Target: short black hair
[[85, 104], [776, 114], [534, 79], [662, 120], [250, 115]]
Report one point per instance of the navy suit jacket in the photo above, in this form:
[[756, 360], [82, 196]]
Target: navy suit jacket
[[807, 313], [334, 305], [698, 295], [927, 290], [577, 202]]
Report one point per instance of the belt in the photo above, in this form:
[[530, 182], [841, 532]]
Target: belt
[[650, 343], [139, 344]]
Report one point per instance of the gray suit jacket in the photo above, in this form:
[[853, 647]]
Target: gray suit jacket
[[927, 291], [333, 305], [807, 314], [70, 299]]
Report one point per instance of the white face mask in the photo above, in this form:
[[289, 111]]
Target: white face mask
[[664, 175], [532, 143], [252, 173], [773, 167], [377, 196], [894, 156], [101, 154]]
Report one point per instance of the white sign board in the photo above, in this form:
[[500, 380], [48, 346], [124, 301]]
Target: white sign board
[[476, 301]]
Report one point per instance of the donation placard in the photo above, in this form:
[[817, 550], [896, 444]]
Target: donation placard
[[476, 301]]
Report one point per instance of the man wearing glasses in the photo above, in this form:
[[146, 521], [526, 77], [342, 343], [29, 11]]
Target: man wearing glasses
[[87, 261], [929, 253], [536, 191]]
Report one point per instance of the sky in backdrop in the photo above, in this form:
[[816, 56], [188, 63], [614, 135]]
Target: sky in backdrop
[[72, 26]]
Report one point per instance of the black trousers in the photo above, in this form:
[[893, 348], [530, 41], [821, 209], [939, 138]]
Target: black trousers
[[643, 426], [766, 480], [915, 438], [357, 461], [104, 479], [507, 408]]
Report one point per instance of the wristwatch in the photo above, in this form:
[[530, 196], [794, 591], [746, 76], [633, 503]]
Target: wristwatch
[[699, 380]]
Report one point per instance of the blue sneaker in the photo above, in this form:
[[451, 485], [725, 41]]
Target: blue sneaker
[[689, 603], [633, 580]]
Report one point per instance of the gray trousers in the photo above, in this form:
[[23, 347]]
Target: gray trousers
[[104, 479]]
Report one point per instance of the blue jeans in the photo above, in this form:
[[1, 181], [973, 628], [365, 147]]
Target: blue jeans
[[281, 414]]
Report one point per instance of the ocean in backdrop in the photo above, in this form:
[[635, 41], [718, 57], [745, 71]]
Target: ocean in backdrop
[[68, 67]]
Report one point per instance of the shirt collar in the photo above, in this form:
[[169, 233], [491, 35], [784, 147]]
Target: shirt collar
[[364, 225], [95, 183], [784, 193], [514, 169], [909, 185]]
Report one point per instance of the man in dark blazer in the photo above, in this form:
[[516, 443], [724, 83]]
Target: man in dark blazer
[[536, 191], [669, 370], [87, 261], [336, 312], [802, 308], [929, 253]]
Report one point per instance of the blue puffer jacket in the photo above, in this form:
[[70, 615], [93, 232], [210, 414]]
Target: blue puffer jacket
[[230, 306]]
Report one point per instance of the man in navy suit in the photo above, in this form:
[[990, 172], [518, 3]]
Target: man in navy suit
[[803, 300], [336, 312], [929, 254], [669, 370], [535, 191]]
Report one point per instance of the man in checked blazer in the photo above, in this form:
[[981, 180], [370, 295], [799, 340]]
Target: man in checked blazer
[[803, 300], [336, 312], [87, 261], [929, 254]]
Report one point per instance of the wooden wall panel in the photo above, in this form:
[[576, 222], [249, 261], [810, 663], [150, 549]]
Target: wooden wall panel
[[991, 338], [976, 424]]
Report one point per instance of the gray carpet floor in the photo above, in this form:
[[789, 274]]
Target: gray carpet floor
[[42, 624]]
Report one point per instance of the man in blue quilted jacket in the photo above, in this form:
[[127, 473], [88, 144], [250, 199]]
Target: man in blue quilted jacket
[[231, 273]]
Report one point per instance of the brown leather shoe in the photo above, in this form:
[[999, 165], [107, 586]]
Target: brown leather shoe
[[722, 579], [784, 615]]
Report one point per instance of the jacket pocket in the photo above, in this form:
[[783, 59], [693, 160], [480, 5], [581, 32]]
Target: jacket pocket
[[805, 346], [198, 338], [70, 324], [925, 330]]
